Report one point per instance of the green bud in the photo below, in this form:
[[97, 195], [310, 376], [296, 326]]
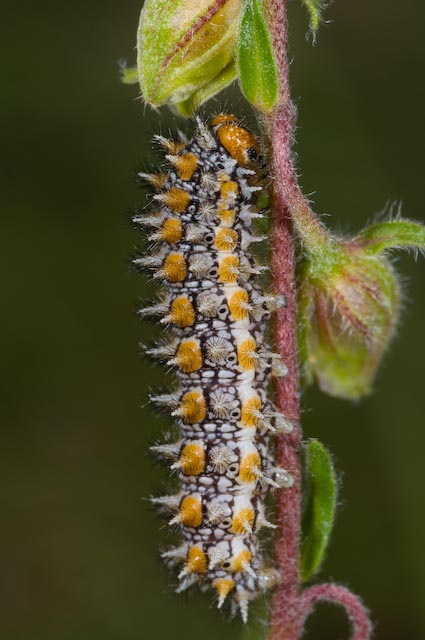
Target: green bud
[[349, 301], [185, 50]]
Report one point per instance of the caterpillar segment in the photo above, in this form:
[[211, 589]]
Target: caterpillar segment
[[216, 311]]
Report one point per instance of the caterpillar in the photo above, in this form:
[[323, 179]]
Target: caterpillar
[[214, 305]]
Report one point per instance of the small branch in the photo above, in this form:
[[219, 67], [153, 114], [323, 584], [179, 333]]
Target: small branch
[[338, 595]]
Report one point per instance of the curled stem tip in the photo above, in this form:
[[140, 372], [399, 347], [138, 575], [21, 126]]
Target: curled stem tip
[[339, 595]]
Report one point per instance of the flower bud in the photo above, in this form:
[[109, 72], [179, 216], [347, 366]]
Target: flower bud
[[349, 300], [186, 50]]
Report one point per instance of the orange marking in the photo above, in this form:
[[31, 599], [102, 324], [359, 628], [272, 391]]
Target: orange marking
[[227, 216], [224, 587], [192, 459], [157, 180], [175, 147], [239, 305], [182, 313], [189, 356], [196, 560], [250, 468], [242, 522], [250, 409], [247, 351], [174, 267], [176, 199], [226, 239], [228, 187], [242, 560], [229, 270], [193, 407], [190, 513], [186, 165], [171, 231]]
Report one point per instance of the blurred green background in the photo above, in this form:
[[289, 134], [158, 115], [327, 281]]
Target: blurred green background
[[79, 544]]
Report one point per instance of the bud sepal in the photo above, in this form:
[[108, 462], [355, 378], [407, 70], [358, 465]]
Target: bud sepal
[[349, 303]]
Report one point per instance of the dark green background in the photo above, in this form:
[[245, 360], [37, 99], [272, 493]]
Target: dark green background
[[79, 545]]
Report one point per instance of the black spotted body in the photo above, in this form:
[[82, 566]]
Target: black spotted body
[[217, 312]]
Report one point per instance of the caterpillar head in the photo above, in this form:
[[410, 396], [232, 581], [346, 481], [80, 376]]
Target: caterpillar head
[[238, 141]]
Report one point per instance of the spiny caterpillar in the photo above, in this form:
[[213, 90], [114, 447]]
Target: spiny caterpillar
[[216, 311]]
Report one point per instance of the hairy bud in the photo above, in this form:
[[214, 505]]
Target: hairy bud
[[186, 50], [349, 301]]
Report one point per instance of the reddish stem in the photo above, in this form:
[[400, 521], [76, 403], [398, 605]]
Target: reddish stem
[[339, 595], [285, 618], [288, 503], [291, 212]]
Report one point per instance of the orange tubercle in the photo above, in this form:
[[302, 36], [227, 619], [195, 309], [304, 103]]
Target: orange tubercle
[[189, 356], [228, 187], [229, 270], [226, 239], [250, 469], [174, 268], [196, 560], [190, 513], [250, 411], [241, 561], [239, 305], [192, 459], [193, 407], [157, 180], [242, 522], [227, 216], [171, 231], [182, 313], [185, 164], [175, 199], [223, 587], [247, 351], [238, 142]]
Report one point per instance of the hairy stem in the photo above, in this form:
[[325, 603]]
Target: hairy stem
[[288, 503], [280, 125], [291, 213], [341, 596], [285, 618]]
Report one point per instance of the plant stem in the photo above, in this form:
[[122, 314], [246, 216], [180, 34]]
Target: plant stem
[[284, 623], [285, 619], [339, 595], [291, 213], [280, 125], [288, 504]]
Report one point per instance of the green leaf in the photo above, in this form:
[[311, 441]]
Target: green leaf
[[392, 234], [255, 58], [320, 512], [314, 8]]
